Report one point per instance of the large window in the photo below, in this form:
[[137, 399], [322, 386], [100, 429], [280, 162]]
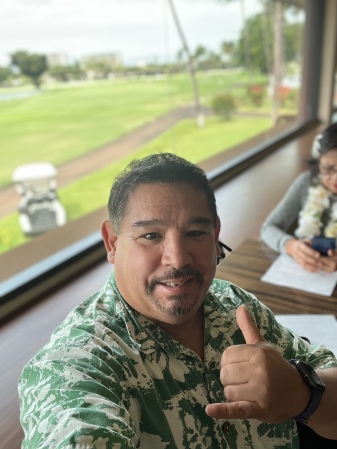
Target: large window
[[334, 99], [87, 86]]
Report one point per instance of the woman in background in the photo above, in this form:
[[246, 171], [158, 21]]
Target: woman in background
[[311, 203]]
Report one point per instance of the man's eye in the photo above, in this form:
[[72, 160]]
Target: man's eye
[[196, 233], [151, 236]]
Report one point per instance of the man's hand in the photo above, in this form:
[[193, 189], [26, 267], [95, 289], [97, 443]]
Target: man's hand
[[258, 382]]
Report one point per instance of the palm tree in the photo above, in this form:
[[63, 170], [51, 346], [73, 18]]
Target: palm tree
[[245, 31], [278, 57], [190, 64], [278, 45]]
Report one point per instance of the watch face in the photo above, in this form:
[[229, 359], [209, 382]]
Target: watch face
[[318, 381], [310, 376]]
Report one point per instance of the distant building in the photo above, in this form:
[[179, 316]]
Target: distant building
[[57, 59], [112, 60]]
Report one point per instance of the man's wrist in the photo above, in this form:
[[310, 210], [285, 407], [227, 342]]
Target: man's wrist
[[315, 387], [303, 394]]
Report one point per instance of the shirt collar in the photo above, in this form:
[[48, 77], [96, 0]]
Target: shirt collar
[[146, 335], [149, 337]]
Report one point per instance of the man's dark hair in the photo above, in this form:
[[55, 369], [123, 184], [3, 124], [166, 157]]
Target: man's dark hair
[[164, 168]]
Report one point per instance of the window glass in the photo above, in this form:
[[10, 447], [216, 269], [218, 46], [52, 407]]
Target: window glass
[[334, 100], [87, 86]]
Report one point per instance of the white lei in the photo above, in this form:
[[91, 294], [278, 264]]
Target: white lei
[[310, 217]]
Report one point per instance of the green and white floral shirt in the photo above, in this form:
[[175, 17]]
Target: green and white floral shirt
[[110, 378]]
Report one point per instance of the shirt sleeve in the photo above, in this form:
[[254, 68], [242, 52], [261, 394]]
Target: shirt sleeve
[[71, 397], [275, 230]]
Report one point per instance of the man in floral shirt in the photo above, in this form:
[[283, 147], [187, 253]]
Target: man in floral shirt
[[164, 356]]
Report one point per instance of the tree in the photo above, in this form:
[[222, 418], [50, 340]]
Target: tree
[[191, 68], [31, 65], [66, 73], [262, 39], [200, 53], [181, 55], [211, 61], [245, 31], [5, 75], [227, 52], [224, 104], [100, 67]]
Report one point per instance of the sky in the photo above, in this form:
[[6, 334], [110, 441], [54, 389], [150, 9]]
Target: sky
[[139, 30]]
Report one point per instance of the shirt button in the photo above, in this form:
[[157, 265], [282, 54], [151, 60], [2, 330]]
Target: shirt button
[[226, 427]]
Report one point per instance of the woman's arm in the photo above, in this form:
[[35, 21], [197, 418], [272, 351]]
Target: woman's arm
[[275, 229]]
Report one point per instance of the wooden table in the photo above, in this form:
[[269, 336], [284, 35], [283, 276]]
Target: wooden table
[[245, 266]]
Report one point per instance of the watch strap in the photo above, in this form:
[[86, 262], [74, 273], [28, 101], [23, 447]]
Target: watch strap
[[312, 406], [317, 389]]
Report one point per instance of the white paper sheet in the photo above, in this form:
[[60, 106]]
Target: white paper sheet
[[320, 329], [286, 272]]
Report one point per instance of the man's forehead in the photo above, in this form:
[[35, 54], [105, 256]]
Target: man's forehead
[[155, 198], [154, 191]]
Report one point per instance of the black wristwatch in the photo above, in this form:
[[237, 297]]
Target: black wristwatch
[[316, 386]]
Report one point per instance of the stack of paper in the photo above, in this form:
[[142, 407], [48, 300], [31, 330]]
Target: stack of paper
[[319, 329], [286, 272]]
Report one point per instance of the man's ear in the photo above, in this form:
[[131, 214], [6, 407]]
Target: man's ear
[[216, 235], [217, 230], [110, 240]]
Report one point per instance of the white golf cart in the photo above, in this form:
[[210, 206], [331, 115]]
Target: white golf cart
[[40, 209]]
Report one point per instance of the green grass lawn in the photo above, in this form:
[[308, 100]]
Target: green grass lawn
[[185, 139], [66, 121]]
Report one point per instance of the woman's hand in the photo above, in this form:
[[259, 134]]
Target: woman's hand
[[310, 259], [304, 255], [330, 261]]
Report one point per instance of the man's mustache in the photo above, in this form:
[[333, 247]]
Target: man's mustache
[[174, 274]]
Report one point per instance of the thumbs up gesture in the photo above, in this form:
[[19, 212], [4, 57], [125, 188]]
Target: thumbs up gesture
[[258, 382]]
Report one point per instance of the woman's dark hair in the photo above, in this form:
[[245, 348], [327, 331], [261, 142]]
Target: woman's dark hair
[[322, 144], [164, 168]]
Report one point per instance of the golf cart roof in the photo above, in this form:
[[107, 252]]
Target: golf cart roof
[[34, 172]]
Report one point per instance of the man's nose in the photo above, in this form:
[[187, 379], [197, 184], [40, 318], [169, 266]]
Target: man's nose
[[176, 253]]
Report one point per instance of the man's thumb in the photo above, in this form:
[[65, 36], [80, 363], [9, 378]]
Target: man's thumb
[[250, 331]]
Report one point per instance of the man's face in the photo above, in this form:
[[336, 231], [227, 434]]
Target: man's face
[[165, 253]]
